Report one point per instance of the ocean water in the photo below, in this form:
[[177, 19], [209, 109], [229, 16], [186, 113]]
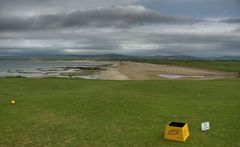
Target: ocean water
[[39, 68]]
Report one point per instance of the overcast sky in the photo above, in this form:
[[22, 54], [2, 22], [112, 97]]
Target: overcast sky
[[131, 27]]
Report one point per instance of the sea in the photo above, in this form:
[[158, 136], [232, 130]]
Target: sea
[[49, 68]]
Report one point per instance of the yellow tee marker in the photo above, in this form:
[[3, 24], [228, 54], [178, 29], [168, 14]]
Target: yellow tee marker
[[176, 131], [13, 102]]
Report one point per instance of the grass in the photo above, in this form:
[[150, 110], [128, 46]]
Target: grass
[[233, 66], [72, 112]]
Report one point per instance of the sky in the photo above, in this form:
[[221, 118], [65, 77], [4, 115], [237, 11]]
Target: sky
[[131, 27]]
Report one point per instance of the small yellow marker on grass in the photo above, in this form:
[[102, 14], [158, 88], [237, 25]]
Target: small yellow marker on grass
[[12, 102]]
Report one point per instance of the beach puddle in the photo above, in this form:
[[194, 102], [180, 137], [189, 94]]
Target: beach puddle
[[178, 76]]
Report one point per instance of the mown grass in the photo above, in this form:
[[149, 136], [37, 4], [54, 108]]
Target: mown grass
[[72, 112], [233, 66]]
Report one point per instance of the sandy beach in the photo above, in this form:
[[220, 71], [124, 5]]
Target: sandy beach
[[125, 70]]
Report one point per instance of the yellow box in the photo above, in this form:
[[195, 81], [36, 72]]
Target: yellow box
[[176, 131]]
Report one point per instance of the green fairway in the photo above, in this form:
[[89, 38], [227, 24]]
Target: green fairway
[[73, 112]]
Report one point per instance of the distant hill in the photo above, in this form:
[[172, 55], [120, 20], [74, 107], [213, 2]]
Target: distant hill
[[69, 57], [174, 57], [185, 57], [116, 57], [229, 58], [105, 56]]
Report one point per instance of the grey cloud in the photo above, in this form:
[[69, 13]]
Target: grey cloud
[[191, 44], [29, 51], [26, 7], [231, 20], [110, 26], [237, 30], [119, 17]]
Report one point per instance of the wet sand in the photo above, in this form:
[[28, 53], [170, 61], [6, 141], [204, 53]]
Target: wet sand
[[125, 70]]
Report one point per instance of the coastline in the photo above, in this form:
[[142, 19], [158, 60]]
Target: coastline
[[122, 70]]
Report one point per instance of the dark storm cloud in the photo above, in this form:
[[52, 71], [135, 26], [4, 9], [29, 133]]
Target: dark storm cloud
[[119, 17]]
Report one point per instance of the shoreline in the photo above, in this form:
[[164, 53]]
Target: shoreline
[[127, 70]]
